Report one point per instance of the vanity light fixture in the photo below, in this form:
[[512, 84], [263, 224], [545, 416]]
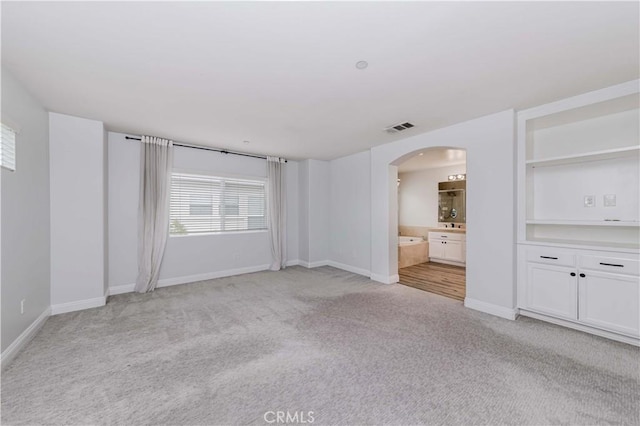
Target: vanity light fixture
[[457, 177]]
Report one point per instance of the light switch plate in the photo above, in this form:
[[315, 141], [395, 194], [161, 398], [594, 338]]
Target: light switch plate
[[589, 201], [610, 200]]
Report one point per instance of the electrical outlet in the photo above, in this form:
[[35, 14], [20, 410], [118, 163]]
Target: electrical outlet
[[589, 201], [609, 200], [22, 306]]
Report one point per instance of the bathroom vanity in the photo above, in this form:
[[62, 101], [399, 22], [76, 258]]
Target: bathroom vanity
[[448, 246]]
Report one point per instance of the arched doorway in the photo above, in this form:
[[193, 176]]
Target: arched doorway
[[490, 238], [432, 221]]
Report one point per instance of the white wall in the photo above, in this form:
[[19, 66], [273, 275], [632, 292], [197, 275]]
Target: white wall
[[303, 210], [490, 146], [350, 213], [314, 223], [77, 212], [418, 195], [195, 257], [25, 214], [105, 209], [319, 204], [293, 214], [123, 187]]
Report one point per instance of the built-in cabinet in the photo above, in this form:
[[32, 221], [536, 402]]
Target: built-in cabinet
[[447, 247], [578, 212], [552, 290], [587, 287]]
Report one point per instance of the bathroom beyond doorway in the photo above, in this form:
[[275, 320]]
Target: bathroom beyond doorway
[[432, 221]]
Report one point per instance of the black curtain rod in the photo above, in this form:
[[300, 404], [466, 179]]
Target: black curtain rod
[[205, 148]]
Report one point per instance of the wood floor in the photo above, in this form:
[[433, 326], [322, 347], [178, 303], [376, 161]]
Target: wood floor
[[438, 278]]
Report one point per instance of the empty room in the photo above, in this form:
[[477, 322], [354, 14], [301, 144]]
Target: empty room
[[336, 213]]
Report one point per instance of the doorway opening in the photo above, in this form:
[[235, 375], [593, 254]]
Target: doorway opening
[[432, 221]]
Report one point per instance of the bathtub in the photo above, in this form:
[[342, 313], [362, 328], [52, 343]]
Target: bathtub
[[408, 241], [412, 251]]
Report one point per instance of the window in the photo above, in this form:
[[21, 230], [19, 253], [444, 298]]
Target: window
[[8, 148], [202, 204]]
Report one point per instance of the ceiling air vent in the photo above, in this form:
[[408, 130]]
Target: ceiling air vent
[[397, 128]]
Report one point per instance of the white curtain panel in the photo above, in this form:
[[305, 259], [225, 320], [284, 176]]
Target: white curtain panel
[[277, 212], [156, 162]]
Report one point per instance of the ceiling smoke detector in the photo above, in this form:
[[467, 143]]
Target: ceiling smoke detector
[[397, 128]]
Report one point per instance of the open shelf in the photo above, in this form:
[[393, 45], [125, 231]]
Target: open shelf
[[568, 150], [584, 222], [631, 151], [552, 242]]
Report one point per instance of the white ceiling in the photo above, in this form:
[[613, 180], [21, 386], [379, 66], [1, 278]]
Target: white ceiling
[[433, 158], [282, 75]]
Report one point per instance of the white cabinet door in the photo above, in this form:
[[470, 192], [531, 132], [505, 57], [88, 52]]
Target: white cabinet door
[[453, 251], [552, 290], [610, 301], [436, 249]]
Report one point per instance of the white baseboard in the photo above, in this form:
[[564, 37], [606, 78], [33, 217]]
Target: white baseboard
[[167, 282], [79, 305], [489, 308], [349, 268], [25, 337], [121, 289], [585, 328], [293, 262], [391, 279], [313, 264]]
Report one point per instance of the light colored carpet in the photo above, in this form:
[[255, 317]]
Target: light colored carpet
[[352, 351]]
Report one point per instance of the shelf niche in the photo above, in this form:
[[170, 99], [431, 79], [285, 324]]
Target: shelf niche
[[604, 126], [576, 235], [578, 149]]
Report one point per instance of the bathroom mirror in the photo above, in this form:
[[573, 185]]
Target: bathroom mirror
[[452, 202]]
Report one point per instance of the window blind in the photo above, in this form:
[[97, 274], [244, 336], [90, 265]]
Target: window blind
[[202, 204], [8, 148]]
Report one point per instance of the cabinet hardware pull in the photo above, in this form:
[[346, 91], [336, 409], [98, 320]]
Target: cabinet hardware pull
[[549, 257], [612, 264], [573, 274], [582, 275]]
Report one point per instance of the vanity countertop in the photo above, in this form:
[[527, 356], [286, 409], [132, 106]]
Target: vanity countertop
[[454, 230]]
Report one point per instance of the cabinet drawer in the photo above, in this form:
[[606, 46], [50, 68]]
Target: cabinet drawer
[[610, 264], [551, 257], [450, 236]]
